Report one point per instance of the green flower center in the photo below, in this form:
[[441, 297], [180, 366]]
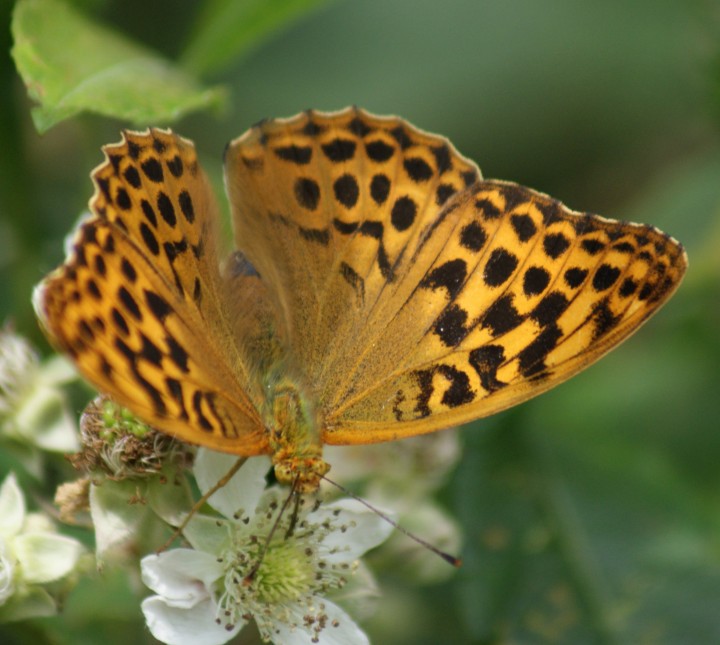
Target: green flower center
[[285, 574]]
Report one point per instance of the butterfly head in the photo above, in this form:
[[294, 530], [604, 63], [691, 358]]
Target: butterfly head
[[303, 473]]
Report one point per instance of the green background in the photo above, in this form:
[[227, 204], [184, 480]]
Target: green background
[[591, 514]]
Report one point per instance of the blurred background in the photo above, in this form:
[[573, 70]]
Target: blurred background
[[591, 514]]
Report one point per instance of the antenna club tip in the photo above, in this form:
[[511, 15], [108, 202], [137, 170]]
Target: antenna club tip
[[453, 560]]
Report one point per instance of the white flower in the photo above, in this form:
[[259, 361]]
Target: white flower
[[31, 554], [236, 573], [33, 409]]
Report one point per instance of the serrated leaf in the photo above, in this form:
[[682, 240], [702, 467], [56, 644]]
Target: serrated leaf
[[71, 64]]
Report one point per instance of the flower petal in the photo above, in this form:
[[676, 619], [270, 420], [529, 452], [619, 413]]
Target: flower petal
[[45, 557], [206, 533], [181, 576], [12, 507], [193, 626], [339, 629], [44, 419], [364, 529], [116, 521], [244, 488]]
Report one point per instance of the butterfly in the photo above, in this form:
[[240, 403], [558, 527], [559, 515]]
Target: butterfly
[[379, 288]]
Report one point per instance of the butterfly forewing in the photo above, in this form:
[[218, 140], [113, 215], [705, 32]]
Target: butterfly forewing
[[137, 304], [329, 207]]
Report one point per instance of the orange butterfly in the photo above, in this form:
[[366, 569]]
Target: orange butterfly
[[380, 288]]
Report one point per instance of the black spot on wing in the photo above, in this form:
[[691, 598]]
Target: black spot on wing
[[158, 305], [153, 170], [450, 275], [318, 235], [299, 155], [500, 267], [550, 308], [403, 213], [593, 247], [473, 236], [177, 353], [346, 190], [487, 360], [129, 303], [450, 325], [132, 176], [186, 206], [605, 277], [417, 169], [379, 188], [307, 192], [358, 127], [379, 151], [603, 319], [555, 244], [339, 150], [574, 277], [149, 212], [166, 208], [523, 226], [532, 358], [502, 316], [457, 393], [175, 166], [442, 158], [401, 136], [535, 281]]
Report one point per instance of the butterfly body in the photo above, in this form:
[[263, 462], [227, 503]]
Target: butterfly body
[[294, 437], [379, 288]]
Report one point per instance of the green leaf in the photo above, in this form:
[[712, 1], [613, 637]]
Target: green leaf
[[70, 64], [32, 603], [227, 29]]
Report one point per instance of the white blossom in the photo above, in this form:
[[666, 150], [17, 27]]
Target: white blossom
[[237, 572], [32, 554], [33, 409]]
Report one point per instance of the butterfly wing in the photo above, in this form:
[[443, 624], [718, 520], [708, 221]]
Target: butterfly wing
[[323, 209], [514, 294], [416, 296], [139, 306]]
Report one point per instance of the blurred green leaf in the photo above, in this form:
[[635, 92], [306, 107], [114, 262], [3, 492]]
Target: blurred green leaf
[[583, 544], [227, 29], [70, 64]]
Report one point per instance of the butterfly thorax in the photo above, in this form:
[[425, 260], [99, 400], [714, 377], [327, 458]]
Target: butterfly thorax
[[294, 438]]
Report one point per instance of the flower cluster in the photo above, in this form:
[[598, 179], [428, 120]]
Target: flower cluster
[[35, 561], [33, 409]]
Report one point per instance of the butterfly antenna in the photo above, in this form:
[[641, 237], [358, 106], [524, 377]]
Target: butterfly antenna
[[201, 502], [451, 559], [247, 580], [294, 517]]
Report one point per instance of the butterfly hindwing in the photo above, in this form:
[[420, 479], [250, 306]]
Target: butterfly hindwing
[[521, 295]]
